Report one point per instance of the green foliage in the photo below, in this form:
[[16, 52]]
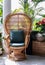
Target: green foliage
[[17, 10], [31, 9], [0, 37], [25, 6], [37, 0], [43, 15], [1, 20], [41, 24], [34, 26], [1, 11], [1, 0]]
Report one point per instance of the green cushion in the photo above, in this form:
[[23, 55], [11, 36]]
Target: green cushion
[[17, 36]]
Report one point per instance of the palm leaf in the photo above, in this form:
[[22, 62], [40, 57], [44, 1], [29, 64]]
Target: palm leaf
[[37, 1], [43, 15]]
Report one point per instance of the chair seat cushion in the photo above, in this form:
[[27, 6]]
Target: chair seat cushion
[[17, 36], [16, 44]]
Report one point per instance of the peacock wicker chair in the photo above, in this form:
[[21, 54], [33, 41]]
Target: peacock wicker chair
[[18, 21]]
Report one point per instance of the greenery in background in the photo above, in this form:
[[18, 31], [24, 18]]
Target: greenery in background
[[35, 26], [1, 20], [1, 0], [1, 47], [37, 1], [32, 10], [37, 20], [25, 6], [17, 10], [1, 11], [41, 25], [0, 37]]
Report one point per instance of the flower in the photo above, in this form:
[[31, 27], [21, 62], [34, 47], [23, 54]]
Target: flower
[[41, 24], [43, 21]]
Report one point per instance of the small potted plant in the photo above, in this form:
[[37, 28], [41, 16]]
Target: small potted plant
[[41, 34]]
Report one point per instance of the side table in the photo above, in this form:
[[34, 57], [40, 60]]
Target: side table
[[38, 48]]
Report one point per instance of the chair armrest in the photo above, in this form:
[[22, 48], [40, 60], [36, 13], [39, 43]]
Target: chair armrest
[[7, 38], [27, 39], [7, 44]]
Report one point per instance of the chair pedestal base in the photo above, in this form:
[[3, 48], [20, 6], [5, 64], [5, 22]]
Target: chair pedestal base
[[17, 56], [20, 57]]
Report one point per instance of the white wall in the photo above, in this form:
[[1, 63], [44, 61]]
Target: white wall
[[6, 7], [15, 4], [6, 11]]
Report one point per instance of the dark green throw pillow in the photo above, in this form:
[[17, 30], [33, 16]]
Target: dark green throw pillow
[[17, 36]]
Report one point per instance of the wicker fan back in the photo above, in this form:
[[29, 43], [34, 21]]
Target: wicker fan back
[[17, 21]]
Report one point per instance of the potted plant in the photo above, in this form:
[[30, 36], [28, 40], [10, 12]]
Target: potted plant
[[41, 33]]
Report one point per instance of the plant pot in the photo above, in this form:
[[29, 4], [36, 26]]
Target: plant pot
[[40, 37]]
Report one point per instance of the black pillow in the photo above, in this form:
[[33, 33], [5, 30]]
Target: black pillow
[[17, 36]]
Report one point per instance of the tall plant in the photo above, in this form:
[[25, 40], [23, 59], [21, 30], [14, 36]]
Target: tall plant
[[30, 9], [25, 6]]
